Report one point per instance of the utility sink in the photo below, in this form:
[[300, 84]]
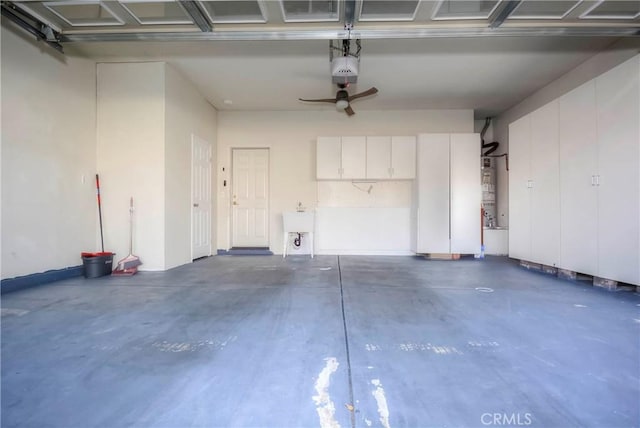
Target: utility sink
[[298, 222]]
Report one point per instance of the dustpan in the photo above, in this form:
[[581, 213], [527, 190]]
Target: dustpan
[[128, 265], [125, 272]]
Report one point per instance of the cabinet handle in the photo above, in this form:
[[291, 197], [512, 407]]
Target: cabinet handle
[[530, 184], [593, 180], [597, 180]]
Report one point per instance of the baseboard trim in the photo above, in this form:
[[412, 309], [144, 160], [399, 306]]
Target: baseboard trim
[[330, 252], [248, 251], [27, 281]]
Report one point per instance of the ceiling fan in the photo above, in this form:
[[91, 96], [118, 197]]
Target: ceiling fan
[[343, 99]]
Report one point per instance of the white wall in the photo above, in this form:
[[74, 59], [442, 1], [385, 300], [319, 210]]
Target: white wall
[[291, 138], [186, 113], [131, 158], [147, 113], [48, 146], [596, 65]]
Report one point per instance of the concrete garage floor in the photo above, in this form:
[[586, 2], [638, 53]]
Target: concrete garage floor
[[260, 342]]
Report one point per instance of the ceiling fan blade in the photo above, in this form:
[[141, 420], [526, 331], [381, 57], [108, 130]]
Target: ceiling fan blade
[[349, 111], [323, 100], [366, 93]]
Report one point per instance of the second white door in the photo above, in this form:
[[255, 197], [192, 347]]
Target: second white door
[[250, 198], [200, 198]]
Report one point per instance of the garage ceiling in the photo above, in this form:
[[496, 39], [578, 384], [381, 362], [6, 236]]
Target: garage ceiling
[[264, 55]]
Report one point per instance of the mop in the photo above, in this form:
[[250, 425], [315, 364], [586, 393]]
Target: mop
[[129, 265]]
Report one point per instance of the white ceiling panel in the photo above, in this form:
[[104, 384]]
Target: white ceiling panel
[[157, 12], [84, 14], [544, 9]]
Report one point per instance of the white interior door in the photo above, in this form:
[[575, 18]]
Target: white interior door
[[200, 197], [250, 198]]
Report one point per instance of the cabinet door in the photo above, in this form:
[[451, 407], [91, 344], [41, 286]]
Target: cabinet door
[[354, 154], [433, 193], [403, 158], [545, 194], [519, 192], [379, 157], [328, 158], [466, 193], [618, 108], [578, 193]]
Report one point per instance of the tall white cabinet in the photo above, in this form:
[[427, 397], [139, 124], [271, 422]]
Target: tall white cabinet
[[519, 185], [618, 176], [447, 194], [600, 178], [534, 193], [578, 136], [585, 147]]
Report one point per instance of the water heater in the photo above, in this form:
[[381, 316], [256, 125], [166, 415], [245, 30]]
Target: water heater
[[488, 180]]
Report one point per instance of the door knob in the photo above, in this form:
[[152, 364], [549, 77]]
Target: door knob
[[196, 205]]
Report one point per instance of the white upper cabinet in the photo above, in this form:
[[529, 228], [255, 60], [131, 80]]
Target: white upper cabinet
[[371, 158], [403, 158], [354, 151], [391, 158], [379, 157], [328, 158]]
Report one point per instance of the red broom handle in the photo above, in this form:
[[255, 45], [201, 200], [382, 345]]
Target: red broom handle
[[99, 210]]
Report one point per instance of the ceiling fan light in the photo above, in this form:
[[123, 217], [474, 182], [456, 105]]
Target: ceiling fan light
[[342, 104]]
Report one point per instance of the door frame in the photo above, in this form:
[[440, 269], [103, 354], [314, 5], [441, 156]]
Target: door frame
[[231, 187]]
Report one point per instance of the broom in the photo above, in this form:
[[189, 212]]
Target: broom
[[129, 265]]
